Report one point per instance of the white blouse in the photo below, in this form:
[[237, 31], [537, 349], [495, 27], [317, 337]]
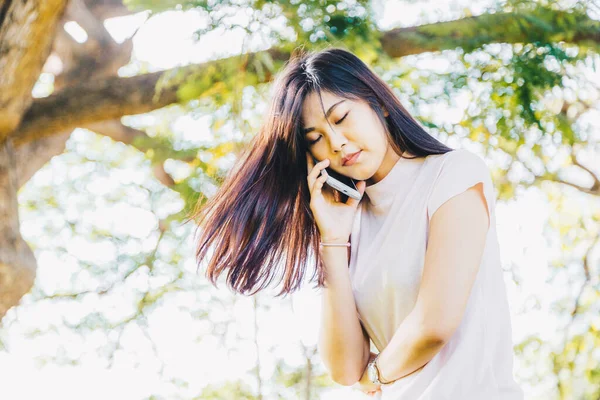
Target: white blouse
[[389, 240]]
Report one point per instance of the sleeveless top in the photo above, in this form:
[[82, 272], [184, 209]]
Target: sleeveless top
[[389, 240]]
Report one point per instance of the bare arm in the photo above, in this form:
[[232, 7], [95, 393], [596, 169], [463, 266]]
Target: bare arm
[[343, 343], [456, 245]]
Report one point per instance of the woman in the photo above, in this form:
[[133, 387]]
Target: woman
[[422, 278]]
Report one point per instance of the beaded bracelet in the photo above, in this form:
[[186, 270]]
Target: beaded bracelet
[[335, 244]]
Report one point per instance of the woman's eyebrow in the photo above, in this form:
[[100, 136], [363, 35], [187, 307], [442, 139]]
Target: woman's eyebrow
[[307, 130]]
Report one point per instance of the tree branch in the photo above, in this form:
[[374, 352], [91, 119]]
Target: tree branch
[[555, 178], [26, 36], [114, 97], [99, 57], [474, 32], [34, 155], [91, 102], [596, 186], [106, 99], [119, 132], [104, 9]]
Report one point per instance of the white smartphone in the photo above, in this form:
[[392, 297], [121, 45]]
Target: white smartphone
[[340, 183]]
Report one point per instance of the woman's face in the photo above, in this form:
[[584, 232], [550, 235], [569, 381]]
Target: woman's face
[[357, 128]]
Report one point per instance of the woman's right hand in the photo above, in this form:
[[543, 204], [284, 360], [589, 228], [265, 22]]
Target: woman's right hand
[[364, 384], [334, 218]]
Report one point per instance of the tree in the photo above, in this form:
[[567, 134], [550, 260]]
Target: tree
[[546, 44]]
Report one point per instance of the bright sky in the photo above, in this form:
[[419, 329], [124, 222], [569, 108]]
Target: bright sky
[[164, 42]]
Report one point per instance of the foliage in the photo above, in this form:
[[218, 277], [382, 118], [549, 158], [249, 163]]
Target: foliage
[[510, 113]]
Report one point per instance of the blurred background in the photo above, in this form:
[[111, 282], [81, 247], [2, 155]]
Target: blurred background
[[116, 116]]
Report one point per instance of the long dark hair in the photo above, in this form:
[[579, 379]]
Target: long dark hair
[[259, 221]]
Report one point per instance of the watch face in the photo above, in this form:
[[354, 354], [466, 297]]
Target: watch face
[[372, 373]]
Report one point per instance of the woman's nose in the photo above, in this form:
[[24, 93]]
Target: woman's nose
[[337, 140]]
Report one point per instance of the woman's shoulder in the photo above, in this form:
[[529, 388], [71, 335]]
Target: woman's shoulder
[[457, 171], [458, 159]]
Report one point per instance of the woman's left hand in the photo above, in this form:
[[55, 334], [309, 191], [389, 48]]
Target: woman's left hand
[[364, 384]]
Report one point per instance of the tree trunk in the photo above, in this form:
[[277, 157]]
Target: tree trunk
[[26, 35], [17, 262]]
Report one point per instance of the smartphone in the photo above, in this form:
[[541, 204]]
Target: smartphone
[[341, 183]]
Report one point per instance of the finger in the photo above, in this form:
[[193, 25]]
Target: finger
[[318, 185], [310, 163], [319, 167], [316, 170]]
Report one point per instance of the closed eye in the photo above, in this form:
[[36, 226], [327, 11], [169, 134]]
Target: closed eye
[[344, 117], [337, 123]]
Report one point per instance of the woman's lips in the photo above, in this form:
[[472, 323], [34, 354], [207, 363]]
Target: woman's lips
[[352, 159]]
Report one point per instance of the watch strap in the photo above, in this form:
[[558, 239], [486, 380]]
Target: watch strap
[[379, 377]]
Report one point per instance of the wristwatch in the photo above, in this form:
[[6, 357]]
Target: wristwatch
[[373, 371]]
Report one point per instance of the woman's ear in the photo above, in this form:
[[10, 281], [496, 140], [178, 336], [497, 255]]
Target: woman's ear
[[385, 112]]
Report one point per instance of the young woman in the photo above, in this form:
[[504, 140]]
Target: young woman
[[422, 279]]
